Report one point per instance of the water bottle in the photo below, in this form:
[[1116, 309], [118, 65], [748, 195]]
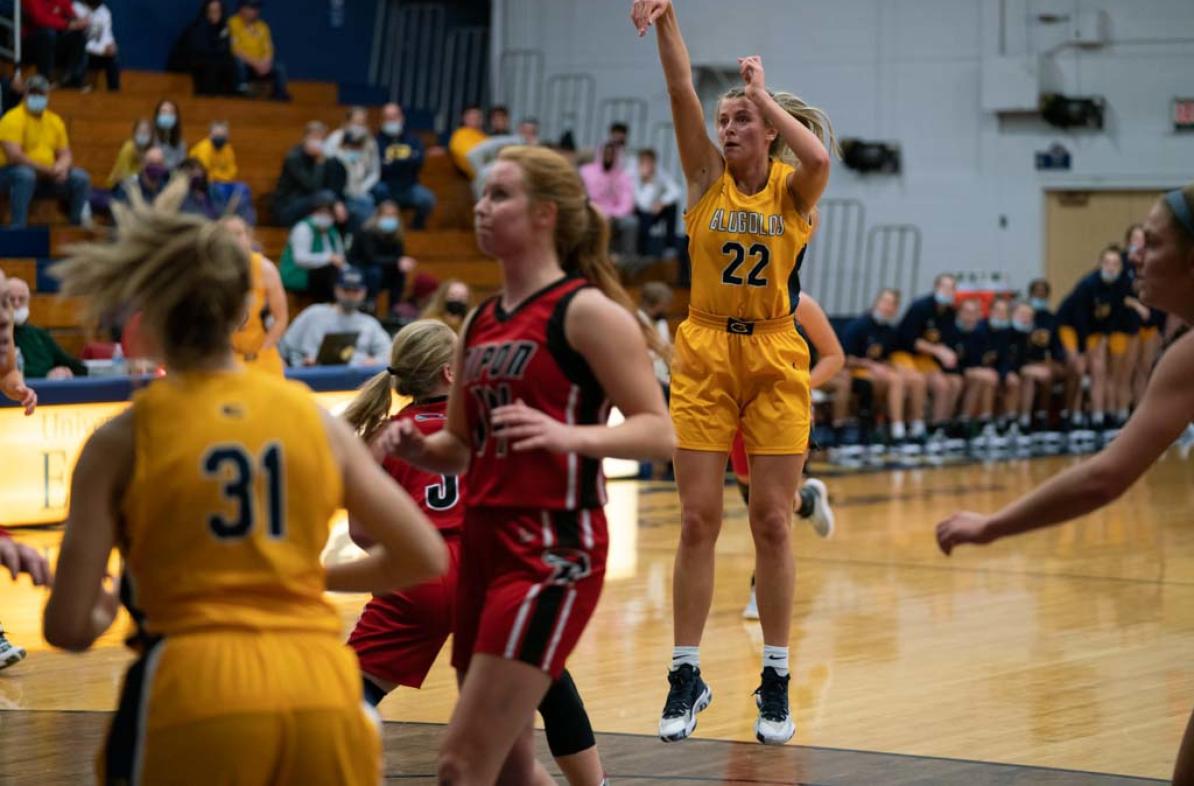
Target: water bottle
[[119, 367]]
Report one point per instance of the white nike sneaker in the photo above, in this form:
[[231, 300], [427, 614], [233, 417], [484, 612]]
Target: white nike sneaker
[[821, 519]]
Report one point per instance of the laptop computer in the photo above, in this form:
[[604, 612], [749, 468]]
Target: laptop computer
[[337, 349]]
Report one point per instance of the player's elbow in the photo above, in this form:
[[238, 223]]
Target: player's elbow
[[429, 563], [65, 634], [663, 441], [1105, 483], [816, 162]]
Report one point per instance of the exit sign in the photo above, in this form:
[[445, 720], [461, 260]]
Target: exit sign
[[1183, 114]]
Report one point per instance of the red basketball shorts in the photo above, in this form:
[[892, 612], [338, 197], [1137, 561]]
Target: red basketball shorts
[[399, 635], [529, 582]]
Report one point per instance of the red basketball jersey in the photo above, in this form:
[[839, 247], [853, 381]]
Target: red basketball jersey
[[438, 495], [524, 355]]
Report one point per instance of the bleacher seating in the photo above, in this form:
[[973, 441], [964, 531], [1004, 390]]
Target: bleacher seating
[[262, 133]]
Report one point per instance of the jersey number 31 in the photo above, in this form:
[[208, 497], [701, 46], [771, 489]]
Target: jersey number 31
[[234, 467]]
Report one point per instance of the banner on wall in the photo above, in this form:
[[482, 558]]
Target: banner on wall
[[40, 451]]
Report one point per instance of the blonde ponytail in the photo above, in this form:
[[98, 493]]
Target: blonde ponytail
[[417, 359], [187, 275], [582, 231]]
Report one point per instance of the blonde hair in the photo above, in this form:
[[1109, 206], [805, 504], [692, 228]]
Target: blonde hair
[[436, 307], [811, 117], [187, 276], [417, 357], [582, 233]]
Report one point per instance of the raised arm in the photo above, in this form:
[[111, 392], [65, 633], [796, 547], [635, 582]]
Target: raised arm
[[830, 355], [700, 158], [808, 182], [1167, 408]]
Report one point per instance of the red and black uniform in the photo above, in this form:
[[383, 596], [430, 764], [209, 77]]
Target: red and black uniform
[[535, 540], [399, 635]]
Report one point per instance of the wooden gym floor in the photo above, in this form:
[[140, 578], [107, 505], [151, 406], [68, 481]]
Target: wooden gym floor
[[1065, 653]]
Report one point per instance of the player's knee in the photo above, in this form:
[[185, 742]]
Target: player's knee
[[699, 526], [770, 526], [451, 768]]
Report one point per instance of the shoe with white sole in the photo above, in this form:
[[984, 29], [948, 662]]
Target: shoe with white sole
[[751, 612], [687, 696], [774, 725], [821, 519], [10, 653]]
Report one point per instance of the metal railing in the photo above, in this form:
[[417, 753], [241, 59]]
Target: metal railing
[[569, 102], [892, 261], [412, 64], [520, 82], [622, 109], [464, 75], [663, 140], [831, 266]]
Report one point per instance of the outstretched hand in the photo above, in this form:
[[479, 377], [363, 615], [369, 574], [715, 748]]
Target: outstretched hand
[[964, 527], [19, 558], [643, 13], [751, 69]]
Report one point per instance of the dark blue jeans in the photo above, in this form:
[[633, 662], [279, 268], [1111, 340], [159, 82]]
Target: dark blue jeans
[[22, 184], [415, 195], [244, 73]]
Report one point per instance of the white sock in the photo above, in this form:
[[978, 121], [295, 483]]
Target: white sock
[[686, 655], [918, 428], [1122, 414], [776, 658], [897, 429], [1025, 421]]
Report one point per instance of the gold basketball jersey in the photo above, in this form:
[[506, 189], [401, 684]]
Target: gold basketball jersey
[[227, 510], [744, 249]]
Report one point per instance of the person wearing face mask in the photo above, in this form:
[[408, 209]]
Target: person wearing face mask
[[380, 251], [300, 345], [1006, 350], [356, 150], [314, 254], [200, 200], [167, 133], [36, 159], [130, 159], [611, 190], [869, 342], [970, 341], [1093, 321], [218, 158], [1045, 353], [150, 181], [309, 177], [920, 348], [44, 358], [449, 304], [402, 155]]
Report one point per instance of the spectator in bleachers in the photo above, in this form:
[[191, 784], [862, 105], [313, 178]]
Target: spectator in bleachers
[[131, 157], [465, 138], [43, 357], [402, 155], [300, 345], [656, 200], [55, 36], [314, 253], [253, 48], [206, 51], [150, 181], [167, 132], [37, 159], [449, 304], [309, 178], [611, 190], [482, 157], [618, 135], [920, 347], [498, 121], [200, 199], [379, 250], [970, 341], [219, 159], [356, 150], [869, 342], [421, 290], [101, 40]]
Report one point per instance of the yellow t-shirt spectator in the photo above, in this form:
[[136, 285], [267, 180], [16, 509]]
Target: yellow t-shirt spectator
[[220, 164], [39, 137], [128, 163], [250, 42], [463, 140]]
